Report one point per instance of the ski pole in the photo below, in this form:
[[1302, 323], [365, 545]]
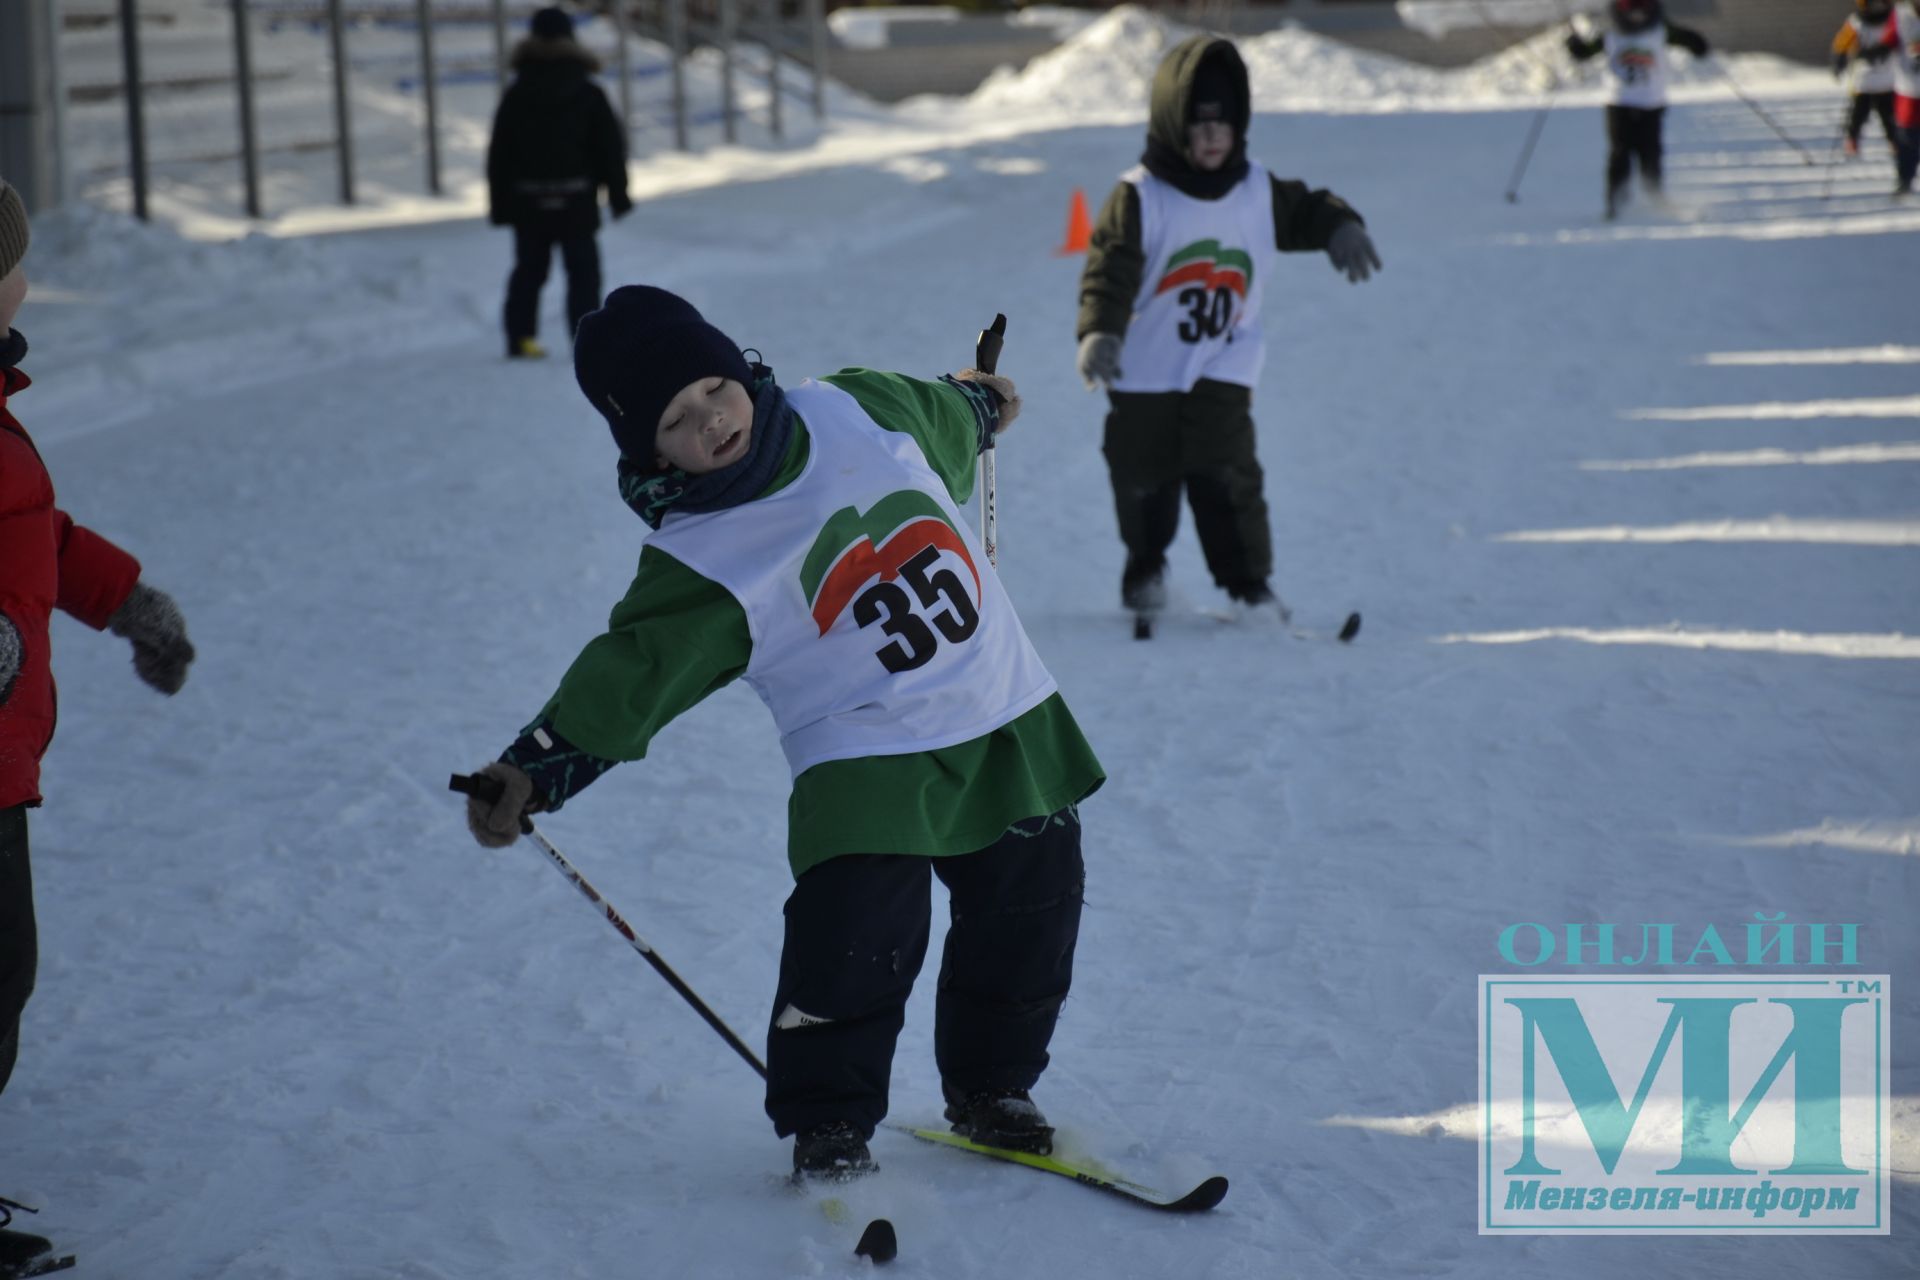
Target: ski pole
[[1741, 94], [1526, 153], [489, 789], [986, 357]]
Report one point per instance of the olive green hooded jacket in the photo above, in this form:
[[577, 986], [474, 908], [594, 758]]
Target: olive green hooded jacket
[[1302, 219]]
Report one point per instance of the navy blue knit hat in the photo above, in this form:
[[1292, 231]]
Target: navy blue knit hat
[[640, 350], [552, 24]]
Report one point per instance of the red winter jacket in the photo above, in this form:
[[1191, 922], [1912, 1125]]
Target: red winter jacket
[[45, 560]]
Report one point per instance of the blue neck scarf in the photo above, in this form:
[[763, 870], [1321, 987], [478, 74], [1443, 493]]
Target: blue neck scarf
[[652, 494]]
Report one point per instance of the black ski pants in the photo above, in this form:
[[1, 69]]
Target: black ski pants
[[533, 245], [19, 939], [1200, 441], [1867, 105], [1633, 133], [857, 929]]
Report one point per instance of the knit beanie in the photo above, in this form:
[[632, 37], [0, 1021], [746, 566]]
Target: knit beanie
[[13, 229], [552, 24], [640, 350]]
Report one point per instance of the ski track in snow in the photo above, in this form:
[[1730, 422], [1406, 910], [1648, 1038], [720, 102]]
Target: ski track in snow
[[292, 1025]]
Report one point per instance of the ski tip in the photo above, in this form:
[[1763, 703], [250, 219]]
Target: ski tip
[[1203, 1197], [879, 1244], [1348, 630]]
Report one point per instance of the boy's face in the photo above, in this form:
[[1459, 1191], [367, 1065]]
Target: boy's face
[[13, 292], [1209, 143], [706, 427]]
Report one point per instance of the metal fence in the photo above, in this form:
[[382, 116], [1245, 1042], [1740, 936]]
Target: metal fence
[[781, 40]]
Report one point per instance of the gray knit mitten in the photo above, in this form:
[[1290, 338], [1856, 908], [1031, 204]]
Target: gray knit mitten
[[495, 823], [153, 623], [1352, 251], [1098, 359]]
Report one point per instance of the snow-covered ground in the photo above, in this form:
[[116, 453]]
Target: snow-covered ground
[[1630, 510]]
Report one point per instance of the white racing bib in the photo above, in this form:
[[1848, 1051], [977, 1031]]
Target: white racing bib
[[878, 625], [1638, 61], [1198, 311]]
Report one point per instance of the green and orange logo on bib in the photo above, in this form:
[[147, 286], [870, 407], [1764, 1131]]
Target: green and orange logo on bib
[[1206, 264], [854, 549]]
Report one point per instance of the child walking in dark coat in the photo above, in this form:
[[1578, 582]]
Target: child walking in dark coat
[[810, 540], [556, 143], [1170, 323]]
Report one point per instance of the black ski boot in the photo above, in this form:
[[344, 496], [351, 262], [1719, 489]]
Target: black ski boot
[[1258, 595], [1003, 1118], [1143, 585], [835, 1152], [21, 1253]]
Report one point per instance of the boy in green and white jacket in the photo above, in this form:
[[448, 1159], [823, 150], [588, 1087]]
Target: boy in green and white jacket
[[811, 541]]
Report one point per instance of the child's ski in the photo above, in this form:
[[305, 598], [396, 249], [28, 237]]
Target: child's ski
[[1143, 625], [878, 1243], [38, 1267], [1200, 1199]]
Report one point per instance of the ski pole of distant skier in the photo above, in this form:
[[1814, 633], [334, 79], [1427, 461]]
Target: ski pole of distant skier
[[1539, 117], [1526, 153], [489, 789], [986, 358], [1753, 106]]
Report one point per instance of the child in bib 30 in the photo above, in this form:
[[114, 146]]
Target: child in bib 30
[[1170, 323], [1636, 48], [810, 540]]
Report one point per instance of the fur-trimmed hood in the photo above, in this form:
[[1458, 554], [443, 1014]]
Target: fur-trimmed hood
[[534, 52]]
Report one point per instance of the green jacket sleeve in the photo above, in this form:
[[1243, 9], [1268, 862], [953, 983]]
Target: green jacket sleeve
[[949, 420], [675, 638], [1116, 259], [1305, 220]]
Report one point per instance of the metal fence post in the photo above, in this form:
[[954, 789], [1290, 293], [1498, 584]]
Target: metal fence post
[[626, 78], [729, 25], [342, 112], [817, 31], [425, 12], [776, 39], [136, 117], [243, 75], [500, 46], [676, 56]]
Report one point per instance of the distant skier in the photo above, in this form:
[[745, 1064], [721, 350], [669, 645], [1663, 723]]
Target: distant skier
[[1170, 323], [555, 144], [1636, 49], [1865, 46], [47, 562], [1906, 95], [811, 541]]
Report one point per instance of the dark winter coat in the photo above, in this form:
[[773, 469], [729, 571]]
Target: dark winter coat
[[556, 142], [1303, 219], [46, 561]]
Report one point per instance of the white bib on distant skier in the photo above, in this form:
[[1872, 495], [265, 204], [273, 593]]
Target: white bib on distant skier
[[878, 625], [1198, 311], [1871, 77], [1638, 61]]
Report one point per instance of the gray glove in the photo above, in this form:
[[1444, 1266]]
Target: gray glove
[[9, 656], [1352, 251], [496, 823], [152, 621], [1001, 387], [1099, 359]]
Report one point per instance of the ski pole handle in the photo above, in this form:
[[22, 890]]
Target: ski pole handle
[[986, 358], [986, 352]]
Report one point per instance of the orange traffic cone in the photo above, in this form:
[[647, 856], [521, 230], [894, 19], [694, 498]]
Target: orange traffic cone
[[1079, 226]]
